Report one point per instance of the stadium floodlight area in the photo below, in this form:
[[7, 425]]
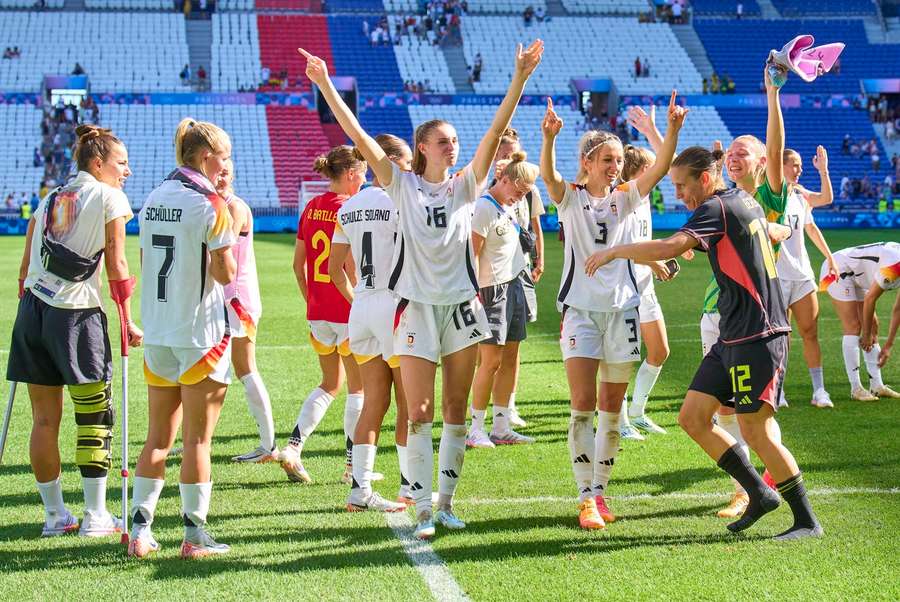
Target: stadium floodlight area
[[146, 54], [587, 53], [20, 123], [235, 52]]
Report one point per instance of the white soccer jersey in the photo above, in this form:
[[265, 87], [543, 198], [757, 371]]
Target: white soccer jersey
[[866, 264], [640, 230], [591, 224], [433, 260], [793, 260], [501, 258], [83, 208], [367, 222], [181, 304]]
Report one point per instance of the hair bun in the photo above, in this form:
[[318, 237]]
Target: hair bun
[[718, 155], [518, 156], [320, 164], [86, 133]]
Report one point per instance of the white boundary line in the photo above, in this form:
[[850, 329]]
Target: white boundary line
[[435, 573]]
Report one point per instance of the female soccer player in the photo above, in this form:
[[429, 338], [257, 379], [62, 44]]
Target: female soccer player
[[326, 309], [186, 238], [60, 335], [496, 241], [798, 284], [364, 236], [864, 273], [749, 360], [439, 316], [244, 310], [600, 318]]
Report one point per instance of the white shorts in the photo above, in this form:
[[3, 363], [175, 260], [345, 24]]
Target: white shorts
[[709, 331], [842, 289], [649, 309], [240, 328], [611, 336], [371, 327], [433, 331], [173, 366], [328, 337], [794, 290]]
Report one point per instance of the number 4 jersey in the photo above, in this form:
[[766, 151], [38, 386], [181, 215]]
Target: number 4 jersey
[[323, 300], [732, 228], [181, 304], [367, 222]]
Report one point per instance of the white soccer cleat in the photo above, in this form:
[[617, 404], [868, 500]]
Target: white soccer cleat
[[57, 525], [198, 543], [260, 455], [424, 526], [629, 432], [99, 525], [516, 420], [478, 438], [510, 437], [860, 394], [885, 391], [644, 423], [375, 503], [289, 458], [447, 519], [142, 543], [821, 399]]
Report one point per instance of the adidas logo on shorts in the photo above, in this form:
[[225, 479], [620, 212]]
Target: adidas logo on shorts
[[608, 462], [582, 459], [476, 334], [450, 473], [416, 486]]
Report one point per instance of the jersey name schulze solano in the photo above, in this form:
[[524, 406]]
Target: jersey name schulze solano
[[367, 222]]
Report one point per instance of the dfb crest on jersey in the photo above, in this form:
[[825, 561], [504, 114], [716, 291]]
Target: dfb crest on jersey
[[410, 339]]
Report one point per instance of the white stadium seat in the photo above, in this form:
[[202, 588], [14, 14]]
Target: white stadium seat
[[235, 52], [21, 124]]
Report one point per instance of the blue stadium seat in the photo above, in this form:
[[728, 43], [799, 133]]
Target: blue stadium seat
[[717, 7], [794, 8], [351, 6], [387, 120], [375, 68]]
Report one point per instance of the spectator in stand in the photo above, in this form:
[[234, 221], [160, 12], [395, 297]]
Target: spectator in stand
[[845, 145], [705, 86], [476, 68], [185, 75], [739, 10], [714, 83], [265, 74], [677, 13], [10, 201], [78, 70], [730, 84], [37, 160], [645, 67], [8, 53], [365, 28], [637, 66], [845, 187], [201, 77], [540, 14], [528, 15], [876, 161]]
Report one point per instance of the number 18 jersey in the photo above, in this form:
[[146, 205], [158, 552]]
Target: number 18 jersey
[[367, 222], [324, 301]]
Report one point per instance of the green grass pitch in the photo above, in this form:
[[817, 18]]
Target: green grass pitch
[[297, 542]]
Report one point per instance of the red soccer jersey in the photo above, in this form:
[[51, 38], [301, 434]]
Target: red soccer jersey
[[316, 227]]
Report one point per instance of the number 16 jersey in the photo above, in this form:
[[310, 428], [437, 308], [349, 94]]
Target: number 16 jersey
[[323, 300]]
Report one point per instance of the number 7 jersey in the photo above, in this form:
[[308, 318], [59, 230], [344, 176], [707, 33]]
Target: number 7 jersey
[[367, 222], [316, 228]]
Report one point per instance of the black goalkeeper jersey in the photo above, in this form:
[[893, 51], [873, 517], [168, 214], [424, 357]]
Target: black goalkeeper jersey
[[732, 228]]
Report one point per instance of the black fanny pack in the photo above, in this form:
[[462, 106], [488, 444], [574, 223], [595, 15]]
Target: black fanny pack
[[60, 260]]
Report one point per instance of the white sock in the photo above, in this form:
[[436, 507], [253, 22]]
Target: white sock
[[501, 420], [195, 502], [404, 470], [260, 409], [51, 495], [311, 413], [581, 450], [420, 464], [352, 409], [730, 425], [818, 378], [623, 415], [363, 465], [512, 403], [871, 359], [144, 497], [478, 419], [850, 347], [94, 494], [606, 448], [643, 384], [451, 454]]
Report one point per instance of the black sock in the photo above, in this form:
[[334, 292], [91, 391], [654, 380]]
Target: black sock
[[762, 499], [794, 493], [349, 451], [296, 438]]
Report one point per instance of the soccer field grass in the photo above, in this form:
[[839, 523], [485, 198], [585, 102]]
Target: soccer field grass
[[522, 542]]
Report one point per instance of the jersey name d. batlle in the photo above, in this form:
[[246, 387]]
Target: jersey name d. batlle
[[323, 300], [367, 222]]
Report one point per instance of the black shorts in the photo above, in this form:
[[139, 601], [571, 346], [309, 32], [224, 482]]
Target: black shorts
[[744, 376], [55, 347], [507, 311]]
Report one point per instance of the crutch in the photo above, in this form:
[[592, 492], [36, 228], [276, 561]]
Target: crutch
[[7, 415], [121, 291]]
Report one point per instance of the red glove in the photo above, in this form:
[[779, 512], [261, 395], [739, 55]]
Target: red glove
[[120, 290]]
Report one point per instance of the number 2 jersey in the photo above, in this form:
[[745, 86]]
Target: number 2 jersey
[[367, 222], [323, 300], [181, 304], [732, 228]]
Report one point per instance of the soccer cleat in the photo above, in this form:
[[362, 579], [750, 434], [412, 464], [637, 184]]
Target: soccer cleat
[[376, 503], [782, 401], [198, 543], [735, 507], [60, 525], [821, 399], [141, 543], [588, 517], [884, 391], [424, 526], [447, 519], [860, 394], [289, 458], [510, 437], [260, 455], [404, 496], [478, 438], [629, 432], [768, 480], [795, 533], [645, 424], [515, 419], [605, 513], [100, 525]]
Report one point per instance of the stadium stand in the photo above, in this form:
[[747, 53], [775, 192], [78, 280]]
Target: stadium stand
[[375, 68], [229, 5], [147, 132], [718, 7], [349, 6], [30, 3], [495, 38], [296, 138], [279, 37], [401, 6], [419, 61], [611, 7], [17, 172], [504, 7], [387, 120], [796, 8], [146, 54], [235, 52], [130, 4]]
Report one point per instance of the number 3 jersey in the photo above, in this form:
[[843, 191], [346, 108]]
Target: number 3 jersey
[[181, 304], [732, 228], [367, 222], [323, 300], [592, 224]]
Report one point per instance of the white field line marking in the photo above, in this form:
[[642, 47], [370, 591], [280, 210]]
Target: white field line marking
[[435, 573]]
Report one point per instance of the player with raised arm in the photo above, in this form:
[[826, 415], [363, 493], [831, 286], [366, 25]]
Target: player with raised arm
[[364, 236], [749, 360], [186, 238], [439, 316], [600, 321]]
